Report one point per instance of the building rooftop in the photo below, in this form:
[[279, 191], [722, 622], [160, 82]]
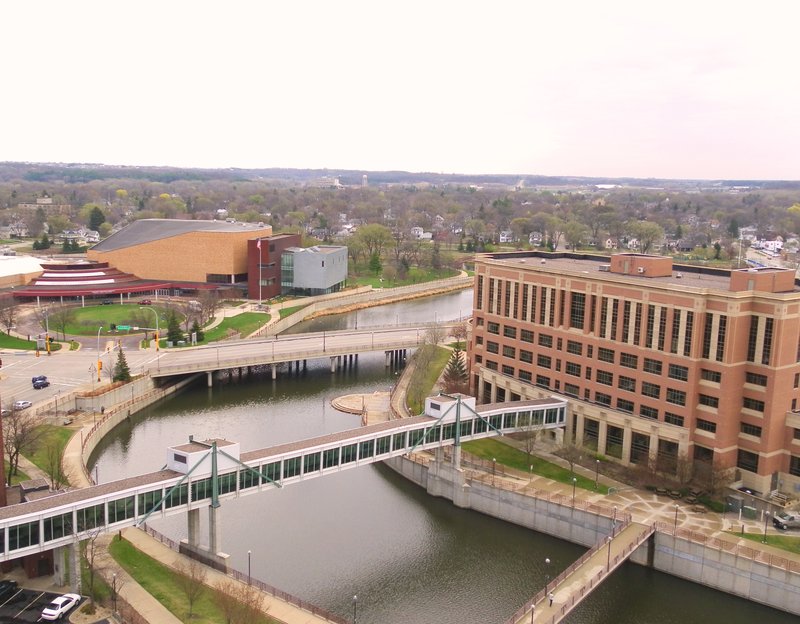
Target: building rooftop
[[598, 268], [146, 230]]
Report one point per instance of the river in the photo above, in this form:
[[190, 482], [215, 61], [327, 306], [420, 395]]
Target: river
[[410, 558]]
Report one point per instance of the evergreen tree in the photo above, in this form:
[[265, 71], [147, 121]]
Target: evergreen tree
[[122, 371], [375, 264], [196, 330], [96, 218], [455, 373], [174, 332]]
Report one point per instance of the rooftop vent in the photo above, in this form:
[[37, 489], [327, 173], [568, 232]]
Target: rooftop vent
[[640, 270], [543, 261], [604, 267], [678, 275]]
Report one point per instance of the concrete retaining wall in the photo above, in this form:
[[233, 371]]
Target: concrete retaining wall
[[722, 565]]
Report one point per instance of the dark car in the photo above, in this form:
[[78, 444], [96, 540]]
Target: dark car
[[7, 588], [40, 383], [38, 378], [108, 302], [145, 302]]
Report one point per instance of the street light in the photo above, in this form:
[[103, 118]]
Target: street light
[[675, 527], [114, 590], [355, 608], [766, 521], [494, 467], [248, 566], [574, 483], [608, 558], [99, 363], [614, 522], [596, 472], [158, 333], [546, 573]]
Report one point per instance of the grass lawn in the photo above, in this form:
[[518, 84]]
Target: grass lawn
[[12, 342], [289, 311], [88, 320], [490, 448], [783, 541], [416, 275], [245, 323], [20, 476], [50, 433], [160, 581], [424, 378]]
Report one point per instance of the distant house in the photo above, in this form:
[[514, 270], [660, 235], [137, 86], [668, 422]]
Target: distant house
[[506, 236]]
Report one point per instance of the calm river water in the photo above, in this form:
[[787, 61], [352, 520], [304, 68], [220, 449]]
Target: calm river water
[[410, 558]]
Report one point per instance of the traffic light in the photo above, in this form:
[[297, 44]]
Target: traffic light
[[156, 335]]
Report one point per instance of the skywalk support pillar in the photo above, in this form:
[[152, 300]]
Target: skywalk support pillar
[[388, 355], [333, 364], [274, 371], [210, 378], [214, 530], [193, 527]]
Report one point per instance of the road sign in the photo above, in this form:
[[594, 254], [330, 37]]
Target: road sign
[[123, 327]]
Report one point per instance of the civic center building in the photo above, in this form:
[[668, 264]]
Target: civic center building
[[663, 366]]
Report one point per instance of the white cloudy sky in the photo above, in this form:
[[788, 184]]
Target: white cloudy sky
[[701, 89]]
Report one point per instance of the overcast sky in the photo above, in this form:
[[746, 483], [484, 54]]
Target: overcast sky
[[700, 89]]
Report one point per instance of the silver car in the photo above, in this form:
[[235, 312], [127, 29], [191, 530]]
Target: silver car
[[784, 520]]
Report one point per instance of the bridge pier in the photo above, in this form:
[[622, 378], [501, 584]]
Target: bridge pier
[[193, 527], [274, 368], [333, 364], [214, 530], [210, 378]]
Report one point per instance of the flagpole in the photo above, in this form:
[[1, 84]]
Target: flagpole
[[259, 273]]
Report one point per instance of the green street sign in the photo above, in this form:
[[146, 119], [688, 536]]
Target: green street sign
[[123, 326]]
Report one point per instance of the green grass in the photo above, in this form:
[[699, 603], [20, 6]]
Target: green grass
[[160, 581], [416, 275], [289, 311], [424, 377], [790, 543], [88, 320], [20, 476], [12, 342], [491, 448], [245, 323], [50, 433]]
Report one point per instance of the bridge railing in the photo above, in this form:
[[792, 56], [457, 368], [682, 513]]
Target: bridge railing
[[264, 587], [730, 547]]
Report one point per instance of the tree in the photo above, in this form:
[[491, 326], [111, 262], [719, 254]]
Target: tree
[[647, 232], [374, 237], [459, 332], [375, 264], [21, 434], [174, 333], [8, 312], [191, 579], [53, 466], [239, 603], [574, 233], [122, 371], [59, 317], [455, 374], [209, 304], [89, 550], [96, 218]]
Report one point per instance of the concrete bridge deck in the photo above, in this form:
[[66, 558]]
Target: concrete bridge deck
[[578, 580]]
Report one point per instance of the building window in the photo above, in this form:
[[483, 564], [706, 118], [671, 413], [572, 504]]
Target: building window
[[545, 361], [526, 335], [508, 370], [628, 360], [676, 331], [753, 404], [707, 335], [478, 340], [626, 383], [604, 377], [652, 366], [509, 352], [575, 348], [748, 429], [651, 390], [708, 401], [624, 405], [687, 338], [648, 412], [491, 365], [577, 309], [493, 328], [747, 461], [545, 340], [573, 369], [721, 334], [478, 359], [794, 466], [571, 389], [751, 339], [676, 397], [706, 425], [681, 373], [673, 419], [525, 375], [767, 349], [756, 379], [543, 381], [526, 356], [709, 375], [492, 347], [509, 332], [602, 398], [605, 355]]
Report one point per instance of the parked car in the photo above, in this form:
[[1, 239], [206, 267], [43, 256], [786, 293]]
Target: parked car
[[145, 302], [5, 412], [38, 378], [40, 383], [60, 606], [784, 520], [18, 405], [7, 588], [108, 302]]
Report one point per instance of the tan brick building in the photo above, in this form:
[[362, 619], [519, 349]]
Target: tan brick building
[[662, 365], [181, 250]]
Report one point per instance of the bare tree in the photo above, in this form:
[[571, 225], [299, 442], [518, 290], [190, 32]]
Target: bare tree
[[571, 453], [209, 304], [89, 549], [239, 603], [20, 435], [53, 466], [460, 333], [191, 579], [60, 317], [8, 313], [435, 334]]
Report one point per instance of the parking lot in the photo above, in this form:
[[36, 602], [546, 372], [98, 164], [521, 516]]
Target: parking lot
[[24, 605]]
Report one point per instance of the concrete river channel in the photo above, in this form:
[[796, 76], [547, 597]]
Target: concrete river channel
[[410, 558]]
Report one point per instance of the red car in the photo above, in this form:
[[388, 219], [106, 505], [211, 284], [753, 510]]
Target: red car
[[145, 302]]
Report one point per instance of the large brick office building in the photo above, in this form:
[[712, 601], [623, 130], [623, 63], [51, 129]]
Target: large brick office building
[[662, 365]]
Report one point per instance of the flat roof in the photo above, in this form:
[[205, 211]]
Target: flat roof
[[682, 276], [146, 230]]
